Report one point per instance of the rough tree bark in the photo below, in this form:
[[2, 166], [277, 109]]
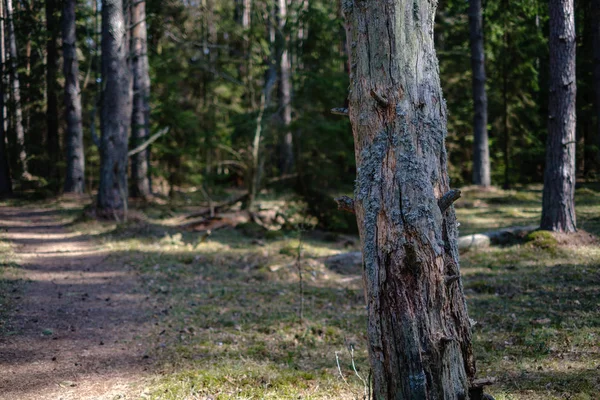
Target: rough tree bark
[[16, 91], [481, 152], [116, 112], [558, 204], [52, 143], [75, 172], [596, 43], [5, 180], [419, 333], [140, 119], [285, 91]]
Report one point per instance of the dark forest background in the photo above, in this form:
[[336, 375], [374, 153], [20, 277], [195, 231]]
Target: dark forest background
[[222, 72]]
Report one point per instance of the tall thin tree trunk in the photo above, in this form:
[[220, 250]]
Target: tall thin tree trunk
[[285, 91], [558, 204], [75, 173], [5, 81], [596, 43], [419, 333], [256, 169], [53, 146], [481, 151], [16, 91], [116, 111], [5, 180], [140, 119]]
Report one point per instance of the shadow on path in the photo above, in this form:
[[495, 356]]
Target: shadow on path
[[79, 328]]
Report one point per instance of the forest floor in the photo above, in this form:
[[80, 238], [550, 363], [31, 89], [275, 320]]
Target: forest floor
[[78, 317], [191, 316]]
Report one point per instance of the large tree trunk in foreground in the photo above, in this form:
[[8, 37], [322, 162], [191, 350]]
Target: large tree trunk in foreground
[[116, 111], [419, 332], [52, 144], [481, 151], [596, 44], [16, 90], [140, 119], [75, 173], [558, 204]]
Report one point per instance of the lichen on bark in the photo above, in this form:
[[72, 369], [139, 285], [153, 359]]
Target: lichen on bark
[[418, 329]]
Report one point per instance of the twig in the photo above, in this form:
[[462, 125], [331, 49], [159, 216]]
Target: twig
[[210, 202], [299, 266], [356, 372], [337, 360]]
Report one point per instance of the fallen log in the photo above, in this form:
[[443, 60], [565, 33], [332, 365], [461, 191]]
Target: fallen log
[[497, 237]]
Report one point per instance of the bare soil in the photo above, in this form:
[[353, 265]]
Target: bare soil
[[79, 326]]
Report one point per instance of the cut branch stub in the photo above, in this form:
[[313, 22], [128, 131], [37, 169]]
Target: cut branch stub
[[345, 203], [340, 111], [448, 199], [382, 101]]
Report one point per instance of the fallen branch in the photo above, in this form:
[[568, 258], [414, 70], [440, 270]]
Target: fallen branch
[[148, 142], [486, 239], [219, 208]]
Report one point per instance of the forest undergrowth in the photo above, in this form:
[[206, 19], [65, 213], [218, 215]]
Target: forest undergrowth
[[227, 320]]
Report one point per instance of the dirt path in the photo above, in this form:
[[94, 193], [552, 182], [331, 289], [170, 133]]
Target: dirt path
[[79, 328]]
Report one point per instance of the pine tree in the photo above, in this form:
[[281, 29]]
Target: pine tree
[[558, 202]]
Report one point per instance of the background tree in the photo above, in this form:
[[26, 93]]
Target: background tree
[[481, 151], [140, 119], [595, 19], [5, 180], [75, 155], [285, 89], [419, 334], [16, 91], [52, 114], [558, 206], [116, 111]]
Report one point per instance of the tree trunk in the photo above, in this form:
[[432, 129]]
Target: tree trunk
[[16, 91], [5, 180], [116, 111], [53, 147], [256, 169], [558, 204], [285, 92], [5, 81], [481, 151], [596, 43], [419, 333], [140, 120], [75, 173]]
